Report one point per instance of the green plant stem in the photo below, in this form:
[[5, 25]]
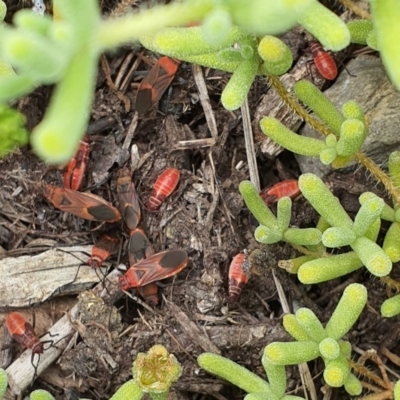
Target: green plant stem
[[115, 32]]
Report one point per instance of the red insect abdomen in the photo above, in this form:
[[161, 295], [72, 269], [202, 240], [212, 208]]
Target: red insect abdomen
[[323, 61], [23, 333], [289, 188], [164, 186], [237, 277]]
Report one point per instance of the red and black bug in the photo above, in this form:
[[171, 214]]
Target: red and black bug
[[238, 277], [102, 249], [323, 61], [155, 83], [163, 187], [83, 205], [139, 249], [22, 332], [128, 199], [289, 188], [157, 267], [75, 169]]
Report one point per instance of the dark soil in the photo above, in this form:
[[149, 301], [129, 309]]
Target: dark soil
[[205, 216]]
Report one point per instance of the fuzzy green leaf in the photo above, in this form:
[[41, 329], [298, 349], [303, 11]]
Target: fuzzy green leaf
[[305, 236], [292, 326], [391, 307], [276, 377], [391, 243], [216, 26], [292, 266], [129, 390], [396, 391], [367, 215], [352, 135], [327, 268], [276, 55], [256, 205], [233, 373], [394, 167], [351, 109], [290, 140], [359, 30], [372, 256], [326, 26], [267, 235], [347, 311], [386, 16], [291, 353], [329, 349], [310, 95], [3, 382], [327, 205], [311, 324], [336, 372], [352, 385], [338, 237], [284, 212], [41, 394]]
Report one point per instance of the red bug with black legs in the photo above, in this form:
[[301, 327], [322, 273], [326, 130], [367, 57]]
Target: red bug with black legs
[[84, 205], [157, 267], [163, 187], [22, 331], [323, 61], [237, 277], [289, 188], [155, 83], [76, 168], [128, 199], [102, 249]]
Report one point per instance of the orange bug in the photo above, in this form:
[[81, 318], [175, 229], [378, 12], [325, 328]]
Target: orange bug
[[323, 61], [289, 188], [102, 249], [157, 267], [164, 186], [139, 249], [22, 331], [237, 277], [128, 199], [83, 205], [155, 83], [75, 170]]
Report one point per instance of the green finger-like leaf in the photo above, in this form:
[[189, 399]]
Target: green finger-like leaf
[[372, 256], [311, 324], [305, 236], [391, 307], [326, 26], [216, 26], [386, 16], [292, 266], [338, 237], [373, 231], [291, 353], [359, 30], [367, 215], [238, 87], [3, 382], [336, 372], [391, 243], [284, 213], [310, 95], [345, 348], [33, 22], [267, 235], [372, 40], [256, 205], [351, 138], [329, 349], [396, 391], [327, 156], [293, 327], [129, 390], [327, 268], [276, 377], [347, 311], [328, 206], [232, 372], [352, 385], [290, 140], [276, 55], [351, 109], [41, 394]]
